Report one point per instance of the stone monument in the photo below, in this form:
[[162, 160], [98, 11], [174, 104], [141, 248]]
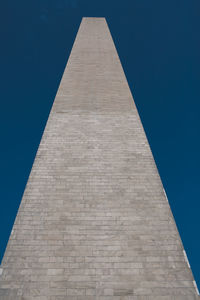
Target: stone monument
[[94, 221]]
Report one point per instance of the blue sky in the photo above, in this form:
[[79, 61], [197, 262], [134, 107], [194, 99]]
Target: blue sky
[[159, 46]]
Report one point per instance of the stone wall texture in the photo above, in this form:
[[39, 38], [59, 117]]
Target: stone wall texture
[[94, 221]]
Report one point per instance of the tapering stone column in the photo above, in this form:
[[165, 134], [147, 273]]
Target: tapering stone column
[[94, 221]]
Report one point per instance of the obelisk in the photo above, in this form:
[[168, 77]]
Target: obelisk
[[94, 221]]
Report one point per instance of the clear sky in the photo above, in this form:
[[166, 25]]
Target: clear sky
[[159, 46]]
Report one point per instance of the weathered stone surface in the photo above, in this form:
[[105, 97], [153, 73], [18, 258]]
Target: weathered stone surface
[[94, 222]]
